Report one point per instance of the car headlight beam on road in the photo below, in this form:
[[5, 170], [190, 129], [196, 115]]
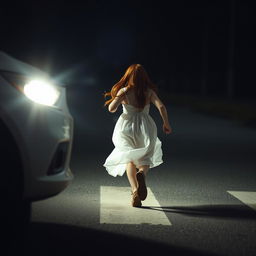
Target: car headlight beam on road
[[41, 92]]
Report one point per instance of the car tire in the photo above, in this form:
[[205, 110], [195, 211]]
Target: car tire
[[15, 211]]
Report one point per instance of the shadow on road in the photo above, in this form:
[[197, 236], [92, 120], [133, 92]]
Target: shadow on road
[[222, 211], [57, 239]]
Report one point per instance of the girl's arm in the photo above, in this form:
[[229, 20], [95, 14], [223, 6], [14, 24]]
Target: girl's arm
[[163, 112], [113, 106]]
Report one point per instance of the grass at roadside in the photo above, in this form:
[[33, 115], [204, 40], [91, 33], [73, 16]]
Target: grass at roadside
[[243, 112]]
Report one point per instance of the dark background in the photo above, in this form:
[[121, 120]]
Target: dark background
[[197, 48], [203, 48]]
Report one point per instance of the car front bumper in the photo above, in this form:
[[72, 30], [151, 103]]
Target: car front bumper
[[49, 161]]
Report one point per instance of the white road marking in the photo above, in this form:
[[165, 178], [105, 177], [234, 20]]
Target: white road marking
[[115, 208], [247, 197]]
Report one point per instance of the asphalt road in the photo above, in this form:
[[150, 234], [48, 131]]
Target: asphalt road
[[203, 159]]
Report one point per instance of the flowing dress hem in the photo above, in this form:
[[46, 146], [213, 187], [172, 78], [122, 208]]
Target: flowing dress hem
[[122, 170]]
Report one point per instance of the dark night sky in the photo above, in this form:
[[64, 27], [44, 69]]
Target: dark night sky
[[100, 39]]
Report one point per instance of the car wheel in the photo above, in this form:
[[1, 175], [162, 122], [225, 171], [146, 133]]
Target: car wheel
[[15, 212]]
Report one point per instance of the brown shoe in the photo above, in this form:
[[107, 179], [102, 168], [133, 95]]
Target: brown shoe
[[136, 202], [142, 189]]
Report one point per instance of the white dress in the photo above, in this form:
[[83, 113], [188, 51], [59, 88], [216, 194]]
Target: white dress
[[135, 140]]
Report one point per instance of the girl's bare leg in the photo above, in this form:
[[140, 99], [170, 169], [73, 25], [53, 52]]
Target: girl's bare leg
[[131, 174]]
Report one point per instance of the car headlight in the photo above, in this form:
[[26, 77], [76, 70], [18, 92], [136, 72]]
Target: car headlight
[[41, 92], [37, 90]]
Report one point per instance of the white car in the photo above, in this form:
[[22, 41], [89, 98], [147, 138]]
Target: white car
[[36, 134]]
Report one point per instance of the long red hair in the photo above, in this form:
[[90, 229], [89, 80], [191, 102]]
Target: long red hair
[[135, 77]]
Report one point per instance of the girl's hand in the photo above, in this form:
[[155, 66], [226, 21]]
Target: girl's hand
[[167, 128]]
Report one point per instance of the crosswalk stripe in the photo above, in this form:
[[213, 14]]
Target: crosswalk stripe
[[247, 197], [115, 208]]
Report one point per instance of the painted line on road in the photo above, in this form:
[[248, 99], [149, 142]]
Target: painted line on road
[[115, 208], [247, 197]]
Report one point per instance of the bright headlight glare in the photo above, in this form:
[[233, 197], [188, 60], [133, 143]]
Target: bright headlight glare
[[41, 92]]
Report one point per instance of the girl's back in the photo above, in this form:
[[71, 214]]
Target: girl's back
[[131, 99]]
